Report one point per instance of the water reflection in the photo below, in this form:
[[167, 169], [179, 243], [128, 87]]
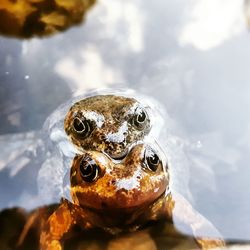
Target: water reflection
[[198, 68], [89, 71], [27, 18], [206, 31], [152, 238], [247, 12]]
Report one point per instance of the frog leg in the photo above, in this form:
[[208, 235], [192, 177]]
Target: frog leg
[[57, 225], [183, 213]]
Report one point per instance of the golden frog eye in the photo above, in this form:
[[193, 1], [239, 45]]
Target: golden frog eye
[[152, 160], [140, 119], [82, 127], [89, 170]]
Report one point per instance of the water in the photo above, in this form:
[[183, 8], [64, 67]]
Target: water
[[194, 62]]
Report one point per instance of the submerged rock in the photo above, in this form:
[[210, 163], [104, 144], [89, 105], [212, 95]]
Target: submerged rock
[[27, 18]]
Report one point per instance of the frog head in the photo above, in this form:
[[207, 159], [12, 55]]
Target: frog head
[[101, 183], [107, 123]]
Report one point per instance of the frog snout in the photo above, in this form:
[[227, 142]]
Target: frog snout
[[117, 154], [118, 135]]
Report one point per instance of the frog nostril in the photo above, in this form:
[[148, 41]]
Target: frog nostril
[[125, 134], [103, 138]]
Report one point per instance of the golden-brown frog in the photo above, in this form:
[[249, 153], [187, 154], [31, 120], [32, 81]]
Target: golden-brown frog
[[121, 196], [107, 123]]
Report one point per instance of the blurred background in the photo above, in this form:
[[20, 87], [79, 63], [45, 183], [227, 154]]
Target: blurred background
[[191, 55]]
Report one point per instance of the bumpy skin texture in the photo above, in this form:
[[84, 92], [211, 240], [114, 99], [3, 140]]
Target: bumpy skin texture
[[118, 182], [124, 185], [123, 196], [111, 121]]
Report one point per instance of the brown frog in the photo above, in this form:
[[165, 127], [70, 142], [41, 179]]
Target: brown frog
[[119, 196], [107, 123]]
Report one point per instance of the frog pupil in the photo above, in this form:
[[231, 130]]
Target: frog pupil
[[78, 125], [141, 117], [88, 169], [152, 160], [82, 127], [139, 120]]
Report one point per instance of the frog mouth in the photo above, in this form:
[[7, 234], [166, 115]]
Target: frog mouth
[[119, 156]]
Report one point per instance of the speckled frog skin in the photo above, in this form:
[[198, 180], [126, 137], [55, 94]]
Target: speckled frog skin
[[107, 123], [118, 181], [121, 196]]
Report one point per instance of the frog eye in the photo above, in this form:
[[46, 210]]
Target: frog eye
[[140, 119], [82, 127], [152, 159], [88, 169]]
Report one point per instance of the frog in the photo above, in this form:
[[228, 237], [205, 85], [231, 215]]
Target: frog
[[110, 124], [123, 196]]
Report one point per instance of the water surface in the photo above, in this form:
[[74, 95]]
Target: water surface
[[192, 56]]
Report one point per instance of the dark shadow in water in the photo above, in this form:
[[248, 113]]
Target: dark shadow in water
[[155, 236], [26, 18]]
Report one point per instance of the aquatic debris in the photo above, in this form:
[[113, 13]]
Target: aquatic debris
[[28, 18]]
